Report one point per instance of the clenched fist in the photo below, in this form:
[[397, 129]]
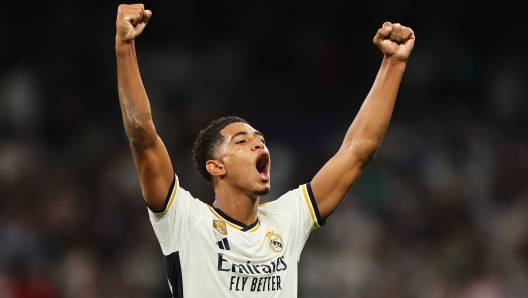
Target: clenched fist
[[395, 40], [130, 22]]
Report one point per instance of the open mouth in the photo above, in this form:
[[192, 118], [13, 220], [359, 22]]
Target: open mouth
[[262, 166]]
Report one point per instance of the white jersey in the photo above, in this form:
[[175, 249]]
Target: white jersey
[[209, 254]]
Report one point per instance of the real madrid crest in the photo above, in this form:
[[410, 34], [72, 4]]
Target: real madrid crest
[[220, 226], [275, 241]]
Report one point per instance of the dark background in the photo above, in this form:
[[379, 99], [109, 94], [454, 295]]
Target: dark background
[[442, 210]]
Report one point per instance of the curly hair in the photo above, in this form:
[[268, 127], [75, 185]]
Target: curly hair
[[207, 141]]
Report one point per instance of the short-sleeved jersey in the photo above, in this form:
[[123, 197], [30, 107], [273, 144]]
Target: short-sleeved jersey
[[209, 254]]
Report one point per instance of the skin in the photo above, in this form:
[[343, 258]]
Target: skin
[[150, 155], [237, 183]]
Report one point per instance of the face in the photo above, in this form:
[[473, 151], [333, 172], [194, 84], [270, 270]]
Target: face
[[246, 159]]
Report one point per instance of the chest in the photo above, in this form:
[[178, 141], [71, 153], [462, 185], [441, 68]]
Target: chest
[[268, 241]]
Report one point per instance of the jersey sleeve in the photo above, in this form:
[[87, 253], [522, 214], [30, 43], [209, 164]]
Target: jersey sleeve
[[310, 212], [172, 223], [300, 206]]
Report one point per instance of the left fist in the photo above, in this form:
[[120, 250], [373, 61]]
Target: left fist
[[395, 40]]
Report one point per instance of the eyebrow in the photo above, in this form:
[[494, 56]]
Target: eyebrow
[[244, 133]]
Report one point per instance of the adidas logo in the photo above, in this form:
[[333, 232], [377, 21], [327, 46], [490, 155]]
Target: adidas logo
[[223, 244]]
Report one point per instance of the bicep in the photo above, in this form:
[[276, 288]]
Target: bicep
[[155, 172], [332, 183]]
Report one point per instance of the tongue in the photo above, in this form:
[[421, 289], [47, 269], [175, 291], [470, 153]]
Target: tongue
[[264, 175]]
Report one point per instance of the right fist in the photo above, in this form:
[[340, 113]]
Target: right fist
[[130, 22]]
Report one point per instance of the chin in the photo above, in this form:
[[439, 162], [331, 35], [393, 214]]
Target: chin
[[262, 192]]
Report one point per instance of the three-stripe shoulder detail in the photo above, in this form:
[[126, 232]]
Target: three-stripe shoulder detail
[[309, 199], [171, 195]]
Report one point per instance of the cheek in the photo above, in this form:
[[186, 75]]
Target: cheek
[[233, 153], [239, 163]]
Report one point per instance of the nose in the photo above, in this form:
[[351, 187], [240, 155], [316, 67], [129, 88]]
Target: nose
[[257, 144]]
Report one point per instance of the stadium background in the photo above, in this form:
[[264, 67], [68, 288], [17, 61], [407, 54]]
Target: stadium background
[[442, 210]]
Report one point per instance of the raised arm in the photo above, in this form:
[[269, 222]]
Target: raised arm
[[150, 155], [331, 184]]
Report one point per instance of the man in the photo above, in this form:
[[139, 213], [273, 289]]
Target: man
[[236, 248]]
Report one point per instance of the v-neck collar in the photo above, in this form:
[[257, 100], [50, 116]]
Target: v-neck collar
[[235, 223]]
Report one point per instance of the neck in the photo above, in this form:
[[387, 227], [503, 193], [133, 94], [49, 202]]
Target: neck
[[236, 204]]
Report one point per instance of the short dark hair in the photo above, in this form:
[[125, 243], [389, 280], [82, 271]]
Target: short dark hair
[[207, 141]]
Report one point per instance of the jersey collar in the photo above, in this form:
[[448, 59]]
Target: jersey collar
[[233, 222]]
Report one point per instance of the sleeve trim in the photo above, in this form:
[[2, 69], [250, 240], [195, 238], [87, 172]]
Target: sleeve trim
[[312, 205], [169, 200]]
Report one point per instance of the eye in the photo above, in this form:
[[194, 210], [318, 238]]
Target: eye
[[240, 142], [263, 141]]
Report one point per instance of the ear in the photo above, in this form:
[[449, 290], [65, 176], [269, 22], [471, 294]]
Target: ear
[[215, 167]]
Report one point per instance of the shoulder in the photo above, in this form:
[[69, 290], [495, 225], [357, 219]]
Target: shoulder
[[302, 193], [179, 202], [299, 204], [284, 204]]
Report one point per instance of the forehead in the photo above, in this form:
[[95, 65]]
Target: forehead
[[237, 127]]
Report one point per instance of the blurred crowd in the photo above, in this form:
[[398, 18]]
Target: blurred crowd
[[441, 211]]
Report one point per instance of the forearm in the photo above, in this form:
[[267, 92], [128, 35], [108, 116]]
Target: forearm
[[135, 107], [365, 134], [150, 155], [363, 138]]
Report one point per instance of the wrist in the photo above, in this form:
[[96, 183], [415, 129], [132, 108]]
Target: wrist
[[124, 47], [394, 62]]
